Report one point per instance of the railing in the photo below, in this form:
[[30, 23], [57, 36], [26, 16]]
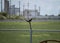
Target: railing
[[29, 30]]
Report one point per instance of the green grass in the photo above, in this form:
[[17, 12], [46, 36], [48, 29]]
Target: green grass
[[24, 37], [35, 25]]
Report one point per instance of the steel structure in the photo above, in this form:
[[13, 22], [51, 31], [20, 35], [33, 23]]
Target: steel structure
[[19, 8]]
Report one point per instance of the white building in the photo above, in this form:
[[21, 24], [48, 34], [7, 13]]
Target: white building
[[30, 13], [14, 10]]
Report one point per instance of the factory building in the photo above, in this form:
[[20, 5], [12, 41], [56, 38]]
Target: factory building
[[31, 13]]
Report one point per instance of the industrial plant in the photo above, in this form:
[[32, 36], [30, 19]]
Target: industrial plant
[[12, 10]]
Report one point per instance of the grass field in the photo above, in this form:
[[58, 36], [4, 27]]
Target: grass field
[[24, 37], [35, 25]]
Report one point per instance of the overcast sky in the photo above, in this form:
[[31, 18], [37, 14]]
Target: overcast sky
[[47, 6]]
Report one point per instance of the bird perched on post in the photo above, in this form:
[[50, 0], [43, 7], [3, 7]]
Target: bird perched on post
[[29, 20]]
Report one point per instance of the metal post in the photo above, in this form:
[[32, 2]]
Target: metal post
[[30, 32], [29, 21]]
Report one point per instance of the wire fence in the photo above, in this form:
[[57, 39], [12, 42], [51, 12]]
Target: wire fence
[[26, 30]]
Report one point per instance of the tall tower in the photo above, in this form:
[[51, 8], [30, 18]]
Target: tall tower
[[1, 5], [6, 6], [39, 11], [35, 10], [23, 9], [19, 8]]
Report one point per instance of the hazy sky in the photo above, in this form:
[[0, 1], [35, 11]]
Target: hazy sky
[[47, 6]]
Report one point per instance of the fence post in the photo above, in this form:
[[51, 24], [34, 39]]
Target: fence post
[[30, 32], [29, 21]]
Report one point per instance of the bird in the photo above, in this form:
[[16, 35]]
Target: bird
[[29, 20]]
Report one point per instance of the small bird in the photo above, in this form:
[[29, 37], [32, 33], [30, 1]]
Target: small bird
[[29, 20]]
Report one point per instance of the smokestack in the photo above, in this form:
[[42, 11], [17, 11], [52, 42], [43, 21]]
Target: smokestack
[[23, 9], [19, 8], [39, 10], [35, 10], [1, 5], [28, 10]]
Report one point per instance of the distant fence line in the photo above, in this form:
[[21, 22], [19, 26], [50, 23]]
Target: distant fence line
[[26, 30]]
